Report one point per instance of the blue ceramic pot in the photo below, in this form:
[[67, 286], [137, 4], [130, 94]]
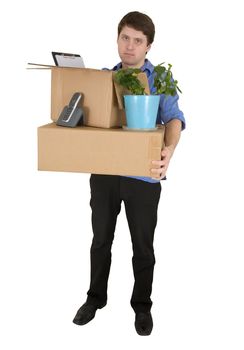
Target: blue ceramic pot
[[141, 111]]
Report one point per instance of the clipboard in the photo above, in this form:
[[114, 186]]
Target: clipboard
[[62, 59]]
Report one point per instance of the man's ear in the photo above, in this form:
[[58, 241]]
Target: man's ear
[[148, 48]]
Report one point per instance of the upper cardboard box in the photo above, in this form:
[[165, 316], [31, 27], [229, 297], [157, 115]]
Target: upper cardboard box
[[103, 98]]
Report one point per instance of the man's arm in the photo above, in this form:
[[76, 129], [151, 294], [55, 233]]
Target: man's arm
[[171, 139]]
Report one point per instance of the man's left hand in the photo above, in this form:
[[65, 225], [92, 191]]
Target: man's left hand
[[160, 166]]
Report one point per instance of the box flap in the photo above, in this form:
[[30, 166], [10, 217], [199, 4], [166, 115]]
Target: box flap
[[121, 91], [39, 66], [47, 66]]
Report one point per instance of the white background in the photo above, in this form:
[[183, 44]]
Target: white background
[[45, 217]]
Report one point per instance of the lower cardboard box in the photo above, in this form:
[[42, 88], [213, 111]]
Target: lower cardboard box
[[98, 151]]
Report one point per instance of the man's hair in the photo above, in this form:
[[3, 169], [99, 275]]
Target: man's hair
[[138, 21]]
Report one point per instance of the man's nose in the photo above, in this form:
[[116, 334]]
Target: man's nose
[[130, 45]]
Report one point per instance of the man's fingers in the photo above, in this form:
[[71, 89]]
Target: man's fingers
[[157, 171], [163, 153], [158, 164], [158, 177]]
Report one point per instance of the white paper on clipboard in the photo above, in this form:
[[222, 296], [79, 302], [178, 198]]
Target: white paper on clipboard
[[68, 60]]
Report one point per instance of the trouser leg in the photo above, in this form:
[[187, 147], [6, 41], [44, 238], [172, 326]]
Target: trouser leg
[[141, 203], [105, 204]]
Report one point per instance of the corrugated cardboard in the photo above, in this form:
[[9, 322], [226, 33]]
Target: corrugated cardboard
[[100, 147], [102, 97], [98, 151]]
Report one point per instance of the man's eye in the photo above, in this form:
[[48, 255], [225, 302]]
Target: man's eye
[[138, 41], [124, 37]]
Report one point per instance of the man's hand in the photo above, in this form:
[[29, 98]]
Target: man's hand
[[171, 138], [160, 166]]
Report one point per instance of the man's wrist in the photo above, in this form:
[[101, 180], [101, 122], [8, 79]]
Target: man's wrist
[[170, 148]]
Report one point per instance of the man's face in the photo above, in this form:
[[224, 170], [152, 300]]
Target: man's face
[[132, 47]]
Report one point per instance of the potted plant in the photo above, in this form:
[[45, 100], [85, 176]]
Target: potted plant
[[141, 109]]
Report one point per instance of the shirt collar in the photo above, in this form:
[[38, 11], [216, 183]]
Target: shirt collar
[[147, 67]]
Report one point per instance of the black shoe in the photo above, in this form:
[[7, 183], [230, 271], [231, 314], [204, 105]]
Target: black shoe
[[144, 323], [85, 314]]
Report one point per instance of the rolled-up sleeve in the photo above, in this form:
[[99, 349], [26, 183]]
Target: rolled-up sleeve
[[169, 109]]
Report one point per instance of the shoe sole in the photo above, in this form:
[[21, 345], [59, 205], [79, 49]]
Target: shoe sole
[[83, 323]]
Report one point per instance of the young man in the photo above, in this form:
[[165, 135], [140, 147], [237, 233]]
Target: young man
[[140, 195]]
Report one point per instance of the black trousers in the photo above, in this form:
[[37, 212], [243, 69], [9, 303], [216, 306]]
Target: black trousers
[[141, 202]]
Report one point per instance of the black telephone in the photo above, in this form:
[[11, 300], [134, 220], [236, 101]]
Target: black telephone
[[72, 115]]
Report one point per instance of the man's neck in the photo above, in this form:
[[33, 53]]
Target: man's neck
[[124, 66]]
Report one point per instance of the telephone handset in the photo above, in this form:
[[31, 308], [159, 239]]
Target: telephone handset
[[72, 115]]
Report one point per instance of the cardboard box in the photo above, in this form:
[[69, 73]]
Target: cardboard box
[[100, 147], [103, 98], [98, 151]]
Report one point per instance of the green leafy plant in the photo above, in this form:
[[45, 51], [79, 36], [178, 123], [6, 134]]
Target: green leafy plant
[[163, 80], [128, 79]]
